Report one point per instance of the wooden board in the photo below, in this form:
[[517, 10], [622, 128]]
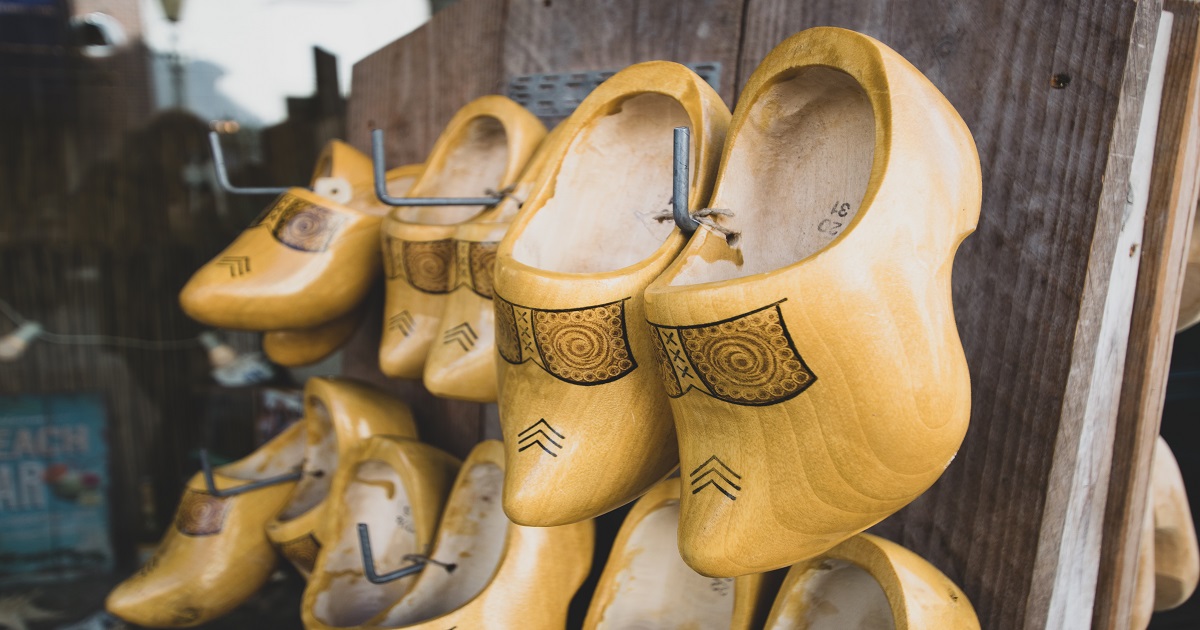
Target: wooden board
[[1163, 251], [1053, 94]]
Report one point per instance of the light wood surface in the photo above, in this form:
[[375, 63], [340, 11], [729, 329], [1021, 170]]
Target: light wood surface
[[818, 383], [869, 583], [1176, 552], [485, 147], [308, 259], [338, 415], [586, 424], [505, 576], [215, 554], [646, 584], [397, 487], [294, 348]]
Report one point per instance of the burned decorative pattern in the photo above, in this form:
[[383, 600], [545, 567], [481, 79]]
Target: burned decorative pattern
[[201, 514], [582, 346], [427, 264], [482, 261]]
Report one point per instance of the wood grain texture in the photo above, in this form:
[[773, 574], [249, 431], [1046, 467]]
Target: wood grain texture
[[1163, 252], [1043, 150], [578, 35]]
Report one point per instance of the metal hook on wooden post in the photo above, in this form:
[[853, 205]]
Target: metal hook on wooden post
[[214, 142], [381, 191], [679, 188], [253, 485]]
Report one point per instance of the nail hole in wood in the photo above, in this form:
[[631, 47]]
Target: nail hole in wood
[[1060, 81]]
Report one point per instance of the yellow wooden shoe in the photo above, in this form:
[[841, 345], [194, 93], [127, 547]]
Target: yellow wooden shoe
[[868, 583], [815, 371], [1176, 552], [491, 574], [462, 359], [645, 583], [293, 348], [308, 259], [484, 147], [586, 424], [339, 414], [215, 555], [396, 487]]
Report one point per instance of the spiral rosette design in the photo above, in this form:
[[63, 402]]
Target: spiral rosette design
[[301, 551], [508, 340], [201, 514], [587, 346], [483, 261], [746, 360], [306, 227], [427, 264]]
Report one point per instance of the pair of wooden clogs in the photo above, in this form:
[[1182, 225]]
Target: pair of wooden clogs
[[864, 583], [438, 315], [301, 271], [360, 463], [797, 358]]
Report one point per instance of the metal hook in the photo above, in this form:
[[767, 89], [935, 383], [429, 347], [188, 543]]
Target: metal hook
[[214, 141], [253, 485], [381, 190], [368, 561], [679, 188]]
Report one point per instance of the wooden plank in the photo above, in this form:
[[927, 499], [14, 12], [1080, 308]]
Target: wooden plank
[[1031, 284], [543, 36], [1163, 253]]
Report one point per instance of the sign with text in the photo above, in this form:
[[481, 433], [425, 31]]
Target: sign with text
[[53, 488]]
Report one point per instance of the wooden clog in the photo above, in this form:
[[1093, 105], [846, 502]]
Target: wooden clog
[[1189, 300], [503, 576], [338, 415], [1176, 552], [397, 487], [645, 583], [215, 555], [586, 424], [815, 371], [868, 583], [308, 259], [462, 359], [294, 348], [484, 147]]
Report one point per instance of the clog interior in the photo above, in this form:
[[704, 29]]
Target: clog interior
[[796, 174], [471, 536], [320, 460], [376, 496], [614, 178], [278, 457], [655, 589], [833, 595], [475, 162]]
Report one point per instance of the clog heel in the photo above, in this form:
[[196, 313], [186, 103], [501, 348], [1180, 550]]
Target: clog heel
[[587, 427], [215, 555], [339, 414], [308, 259], [396, 487], [487, 573], [462, 359], [807, 342], [484, 147], [645, 583], [868, 583]]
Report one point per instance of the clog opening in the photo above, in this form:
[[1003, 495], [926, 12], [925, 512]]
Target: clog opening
[[655, 589], [834, 595], [320, 460], [615, 177], [797, 173], [376, 496], [278, 457], [472, 537], [476, 163]]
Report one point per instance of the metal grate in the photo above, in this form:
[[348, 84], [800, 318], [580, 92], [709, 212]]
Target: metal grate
[[553, 97]]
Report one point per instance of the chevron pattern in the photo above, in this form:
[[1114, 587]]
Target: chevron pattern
[[712, 474], [403, 321], [536, 435], [461, 334], [238, 265]]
